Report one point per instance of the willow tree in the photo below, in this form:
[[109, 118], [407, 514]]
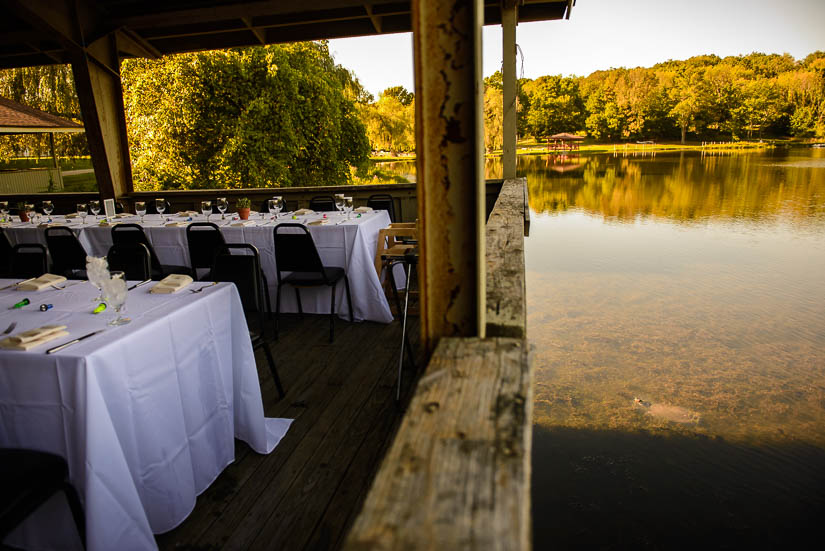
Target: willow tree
[[251, 117]]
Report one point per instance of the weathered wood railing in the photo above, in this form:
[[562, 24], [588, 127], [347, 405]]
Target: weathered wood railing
[[457, 475]]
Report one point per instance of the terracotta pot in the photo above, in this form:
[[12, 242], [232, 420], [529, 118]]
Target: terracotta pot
[[24, 216], [243, 213]]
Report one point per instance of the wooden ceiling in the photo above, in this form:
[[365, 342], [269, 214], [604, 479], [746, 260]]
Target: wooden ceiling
[[43, 32]]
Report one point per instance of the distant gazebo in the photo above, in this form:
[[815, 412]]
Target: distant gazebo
[[16, 118], [563, 142]]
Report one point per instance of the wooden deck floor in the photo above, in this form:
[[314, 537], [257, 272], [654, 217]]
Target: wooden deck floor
[[305, 494]]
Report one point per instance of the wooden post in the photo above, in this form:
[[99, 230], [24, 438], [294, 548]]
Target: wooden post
[[449, 148], [508, 50], [101, 101]]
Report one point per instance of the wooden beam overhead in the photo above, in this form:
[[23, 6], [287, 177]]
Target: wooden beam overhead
[[259, 33], [376, 20]]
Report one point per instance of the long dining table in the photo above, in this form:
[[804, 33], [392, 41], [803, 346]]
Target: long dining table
[[146, 414], [345, 241]]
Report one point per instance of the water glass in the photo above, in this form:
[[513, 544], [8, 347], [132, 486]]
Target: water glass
[[275, 205], [4, 208], [206, 209], [81, 212], [140, 209], [94, 206], [348, 206], [339, 202], [160, 205], [114, 293], [222, 206], [48, 208], [97, 271]]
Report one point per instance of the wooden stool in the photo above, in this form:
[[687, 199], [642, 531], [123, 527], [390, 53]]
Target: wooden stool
[[393, 242]]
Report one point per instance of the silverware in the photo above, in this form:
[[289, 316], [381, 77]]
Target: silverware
[[136, 285], [75, 341], [10, 328], [202, 288], [16, 284]]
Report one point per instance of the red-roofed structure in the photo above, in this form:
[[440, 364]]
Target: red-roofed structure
[[16, 118]]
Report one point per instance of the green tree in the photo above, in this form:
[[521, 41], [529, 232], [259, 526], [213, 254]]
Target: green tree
[[555, 106], [400, 93]]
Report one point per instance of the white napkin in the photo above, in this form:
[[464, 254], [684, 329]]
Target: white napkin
[[172, 284], [301, 212], [40, 283], [362, 210], [187, 213], [242, 223], [177, 224], [33, 337], [321, 222]]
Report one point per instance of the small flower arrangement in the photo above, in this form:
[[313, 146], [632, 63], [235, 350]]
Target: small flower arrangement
[[243, 205]]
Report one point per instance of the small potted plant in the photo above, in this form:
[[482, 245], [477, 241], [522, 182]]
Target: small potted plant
[[22, 212], [243, 204]]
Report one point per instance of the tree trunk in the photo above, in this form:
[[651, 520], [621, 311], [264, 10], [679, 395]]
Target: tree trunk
[[684, 131]]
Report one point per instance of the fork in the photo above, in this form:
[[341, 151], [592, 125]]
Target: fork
[[10, 328], [202, 288]]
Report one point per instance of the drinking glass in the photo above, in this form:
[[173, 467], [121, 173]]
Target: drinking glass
[[81, 212], [206, 209], [160, 205], [48, 208], [339, 202], [140, 209], [275, 205], [4, 209], [94, 206], [348, 206], [114, 293], [222, 206], [97, 271], [30, 211]]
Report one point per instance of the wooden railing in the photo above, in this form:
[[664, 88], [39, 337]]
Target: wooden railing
[[457, 475]]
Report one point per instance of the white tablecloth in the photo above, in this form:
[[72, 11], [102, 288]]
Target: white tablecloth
[[350, 244], [145, 414]]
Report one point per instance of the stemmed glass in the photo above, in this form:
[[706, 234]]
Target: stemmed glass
[[222, 206], [140, 209], [29, 208], [48, 208], [4, 209], [97, 271], [94, 206], [160, 206], [339, 202], [81, 212], [275, 205], [206, 209], [348, 206], [114, 293]]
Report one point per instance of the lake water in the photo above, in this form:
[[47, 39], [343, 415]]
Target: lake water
[[676, 310]]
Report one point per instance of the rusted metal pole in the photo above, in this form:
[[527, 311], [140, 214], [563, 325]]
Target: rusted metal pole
[[450, 167], [508, 50]]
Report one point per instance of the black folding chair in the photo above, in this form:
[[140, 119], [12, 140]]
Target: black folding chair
[[133, 233], [5, 254], [28, 479], [68, 255], [322, 203], [204, 240], [28, 260], [382, 201], [295, 252], [244, 270], [133, 259]]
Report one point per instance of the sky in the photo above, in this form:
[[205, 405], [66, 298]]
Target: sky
[[601, 34]]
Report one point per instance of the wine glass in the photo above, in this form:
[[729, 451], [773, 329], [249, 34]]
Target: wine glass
[[222, 206], [94, 206], [275, 205], [81, 212], [97, 271], [206, 209], [348, 206], [48, 208], [140, 209], [339, 202], [114, 293], [4, 209], [160, 206]]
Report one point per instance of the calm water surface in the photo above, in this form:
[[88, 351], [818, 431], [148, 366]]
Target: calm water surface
[[676, 310]]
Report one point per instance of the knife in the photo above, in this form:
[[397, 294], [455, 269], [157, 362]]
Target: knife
[[136, 285], [77, 340], [16, 284]]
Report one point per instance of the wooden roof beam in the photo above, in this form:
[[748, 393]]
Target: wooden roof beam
[[259, 33], [376, 19], [133, 44]]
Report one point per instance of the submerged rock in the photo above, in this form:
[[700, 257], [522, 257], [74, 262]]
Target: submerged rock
[[675, 414]]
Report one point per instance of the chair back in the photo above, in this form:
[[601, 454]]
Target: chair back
[[295, 250], [66, 251], [204, 240], [5, 254], [129, 234], [382, 201], [322, 203], [28, 260], [244, 270], [133, 259]]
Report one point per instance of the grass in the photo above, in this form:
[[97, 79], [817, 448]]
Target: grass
[[66, 163]]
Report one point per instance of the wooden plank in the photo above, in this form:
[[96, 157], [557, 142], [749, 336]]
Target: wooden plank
[[506, 291], [457, 474]]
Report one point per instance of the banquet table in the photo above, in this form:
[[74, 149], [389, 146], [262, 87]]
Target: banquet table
[[145, 413], [341, 241]]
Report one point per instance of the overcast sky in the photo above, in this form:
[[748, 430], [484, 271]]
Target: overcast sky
[[601, 34]]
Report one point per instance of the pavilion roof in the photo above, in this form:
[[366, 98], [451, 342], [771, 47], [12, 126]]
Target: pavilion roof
[[566, 136], [16, 118]]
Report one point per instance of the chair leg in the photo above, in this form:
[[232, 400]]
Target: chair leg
[[390, 268], [349, 299], [272, 368], [277, 309], [266, 296], [332, 312], [298, 298], [77, 511]]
